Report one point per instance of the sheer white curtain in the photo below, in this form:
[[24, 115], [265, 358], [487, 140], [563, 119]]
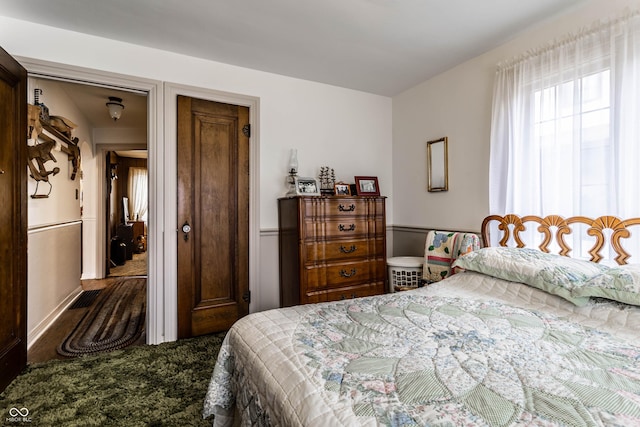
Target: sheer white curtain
[[138, 194], [565, 135]]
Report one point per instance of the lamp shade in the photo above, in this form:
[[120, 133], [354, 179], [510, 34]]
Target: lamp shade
[[293, 161], [115, 107]]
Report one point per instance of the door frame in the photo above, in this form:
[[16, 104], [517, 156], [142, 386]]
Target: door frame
[[171, 91], [153, 88], [162, 289]]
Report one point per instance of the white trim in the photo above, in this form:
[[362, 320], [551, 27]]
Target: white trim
[[47, 227], [265, 232], [41, 328], [156, 332], [420, 229], [171, 91]]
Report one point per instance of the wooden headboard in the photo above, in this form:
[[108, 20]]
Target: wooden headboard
[[554, 228]]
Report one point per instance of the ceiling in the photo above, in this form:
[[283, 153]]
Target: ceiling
[[377, 46], [92, 101]]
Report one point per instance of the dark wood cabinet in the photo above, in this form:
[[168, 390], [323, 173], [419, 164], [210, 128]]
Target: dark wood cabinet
[[331, 248], [138, 228]]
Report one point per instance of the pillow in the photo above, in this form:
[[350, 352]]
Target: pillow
[[555, 274], [620, 284]]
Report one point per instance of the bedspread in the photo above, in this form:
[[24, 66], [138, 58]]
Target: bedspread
[[471, 350]]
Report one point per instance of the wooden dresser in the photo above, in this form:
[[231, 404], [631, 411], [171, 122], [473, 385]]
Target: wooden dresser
[[331, 248]]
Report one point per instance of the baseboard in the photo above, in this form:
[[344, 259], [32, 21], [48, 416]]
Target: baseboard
[[41, 328]]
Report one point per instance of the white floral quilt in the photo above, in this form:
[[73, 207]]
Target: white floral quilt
[[468, 351]]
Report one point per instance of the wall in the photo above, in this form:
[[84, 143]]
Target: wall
[[347, 130], [62, 204], [457, 104], [342, 128], [54, 235]]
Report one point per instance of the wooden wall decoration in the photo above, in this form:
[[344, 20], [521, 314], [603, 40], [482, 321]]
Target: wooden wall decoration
[[40, 153]]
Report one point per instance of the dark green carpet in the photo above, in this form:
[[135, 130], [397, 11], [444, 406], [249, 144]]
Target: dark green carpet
[[150, 385]]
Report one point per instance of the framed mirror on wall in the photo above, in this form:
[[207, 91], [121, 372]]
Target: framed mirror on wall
[[125, 210], [437, 165]]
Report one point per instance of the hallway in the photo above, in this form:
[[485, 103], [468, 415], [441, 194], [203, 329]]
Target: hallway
[[45, 347]]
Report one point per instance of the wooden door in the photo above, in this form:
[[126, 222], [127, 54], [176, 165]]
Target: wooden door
[[13, 219], [213, 216]]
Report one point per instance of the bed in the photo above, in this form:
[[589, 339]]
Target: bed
[[517, 336]]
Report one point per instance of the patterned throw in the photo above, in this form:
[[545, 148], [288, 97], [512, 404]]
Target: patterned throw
[[442, 248], [422, 360]]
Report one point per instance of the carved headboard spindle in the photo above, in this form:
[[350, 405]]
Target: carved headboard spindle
[[596, 227]]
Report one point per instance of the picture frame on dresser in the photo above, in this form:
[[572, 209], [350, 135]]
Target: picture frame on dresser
[[367, 185], [342, 189], [306, 186]]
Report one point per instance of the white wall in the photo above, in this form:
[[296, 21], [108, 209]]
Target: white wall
[[54, 236], [62, 204], [347, 130], [53, 274], [342, 128], [457, 104]]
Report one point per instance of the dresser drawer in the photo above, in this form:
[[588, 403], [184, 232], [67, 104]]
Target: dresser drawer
[[345, 293], [320, 252], [349, 228], [356, 291], [346, 207], [338, 207], [346, 228], [343, 274]]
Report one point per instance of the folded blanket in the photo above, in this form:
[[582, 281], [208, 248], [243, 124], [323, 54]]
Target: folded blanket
[[442, 248]]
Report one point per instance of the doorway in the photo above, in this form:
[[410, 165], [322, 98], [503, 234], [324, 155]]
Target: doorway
[[127, 213], [85, 104], [162, 244]]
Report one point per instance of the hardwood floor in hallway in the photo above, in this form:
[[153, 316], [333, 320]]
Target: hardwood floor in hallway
[[44, 348]]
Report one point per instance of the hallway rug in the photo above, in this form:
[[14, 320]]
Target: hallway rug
[[115, 320]]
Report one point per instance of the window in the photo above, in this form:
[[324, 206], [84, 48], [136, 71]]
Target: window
[[138, 193], [565, 135], [572, 126]]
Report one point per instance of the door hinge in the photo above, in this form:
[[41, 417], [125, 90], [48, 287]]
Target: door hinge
[[246, 130], [246, 297]]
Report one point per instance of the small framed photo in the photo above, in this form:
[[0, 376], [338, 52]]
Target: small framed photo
[[341, 189], [307, 186], [367, 185]]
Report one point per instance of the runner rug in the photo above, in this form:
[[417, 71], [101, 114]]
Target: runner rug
[[115, 320]]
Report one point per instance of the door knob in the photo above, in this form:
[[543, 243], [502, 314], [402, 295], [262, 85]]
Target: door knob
[[186, 228]]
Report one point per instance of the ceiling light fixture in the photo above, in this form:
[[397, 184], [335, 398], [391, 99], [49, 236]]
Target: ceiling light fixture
[[115, 107]]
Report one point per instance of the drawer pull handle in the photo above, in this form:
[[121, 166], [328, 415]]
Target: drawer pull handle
[[351, 208], [345, 274], [341, 227], [347, 250]]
